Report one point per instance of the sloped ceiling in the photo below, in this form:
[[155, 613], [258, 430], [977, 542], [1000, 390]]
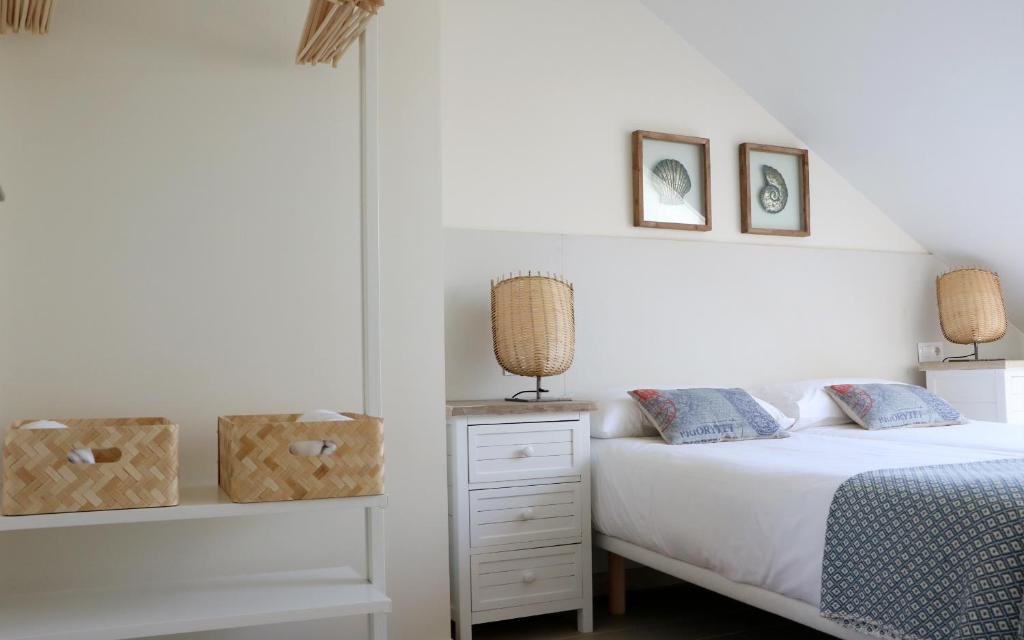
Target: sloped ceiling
[[918, 103]]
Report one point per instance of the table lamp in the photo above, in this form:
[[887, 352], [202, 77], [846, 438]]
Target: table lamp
[[971, 308], [534, 329]]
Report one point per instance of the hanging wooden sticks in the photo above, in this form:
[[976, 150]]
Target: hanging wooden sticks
[[31, 15], [331, 27]]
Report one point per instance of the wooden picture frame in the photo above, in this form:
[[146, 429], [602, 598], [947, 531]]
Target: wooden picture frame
[[748, 214], [642, 217]]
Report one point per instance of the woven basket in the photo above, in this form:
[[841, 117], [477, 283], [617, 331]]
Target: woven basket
[[256, 465], [141, 471], [971, 307], [533, 326]]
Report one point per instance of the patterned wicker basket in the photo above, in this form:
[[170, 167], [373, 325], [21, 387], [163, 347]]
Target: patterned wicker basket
[[136, 466], [256, 465]]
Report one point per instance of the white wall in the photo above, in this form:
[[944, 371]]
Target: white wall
[[413, 328], [961, 110], [657, 312], [539, 102], [181, 237], [181, 231]]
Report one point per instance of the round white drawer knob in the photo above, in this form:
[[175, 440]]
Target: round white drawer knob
[[526, 451], [526, 514], [529, 576]]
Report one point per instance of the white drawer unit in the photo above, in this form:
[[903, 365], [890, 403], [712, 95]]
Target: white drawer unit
[[523, 451], [991, 390], [519, 506], [524, 514], [517, 578]]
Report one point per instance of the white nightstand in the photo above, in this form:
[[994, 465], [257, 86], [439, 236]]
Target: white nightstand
[[519, 511], [990, 390]]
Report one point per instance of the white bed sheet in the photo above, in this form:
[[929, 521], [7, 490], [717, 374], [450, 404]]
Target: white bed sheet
[[991, 436], [753, 511]]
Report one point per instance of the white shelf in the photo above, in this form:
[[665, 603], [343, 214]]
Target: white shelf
[[196, 503], [183, 607]]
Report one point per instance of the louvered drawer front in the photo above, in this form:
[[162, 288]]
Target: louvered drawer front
[[514, 578], [522, 451], [524, 514]]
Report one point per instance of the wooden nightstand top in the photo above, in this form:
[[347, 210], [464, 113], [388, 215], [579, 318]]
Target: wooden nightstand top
[[506, 408], [968, 365]]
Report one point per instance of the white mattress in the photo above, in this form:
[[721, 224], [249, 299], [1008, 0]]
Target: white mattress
[[755, 511], [992, 436]]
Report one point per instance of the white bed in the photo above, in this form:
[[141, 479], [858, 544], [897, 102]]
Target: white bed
[[991, 436], [748, 518]]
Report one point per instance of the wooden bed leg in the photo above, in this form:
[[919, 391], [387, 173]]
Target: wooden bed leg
[[616, 584]]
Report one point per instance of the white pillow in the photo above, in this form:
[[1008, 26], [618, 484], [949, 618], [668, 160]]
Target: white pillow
[[785, 422], [619, 416], [807, 402]]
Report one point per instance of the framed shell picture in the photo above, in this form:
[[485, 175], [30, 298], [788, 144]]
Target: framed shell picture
[[774, 193], [671, 181]]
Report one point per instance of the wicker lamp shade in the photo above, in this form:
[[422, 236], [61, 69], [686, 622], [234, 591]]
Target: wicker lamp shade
[[533, 325], [971, 307]]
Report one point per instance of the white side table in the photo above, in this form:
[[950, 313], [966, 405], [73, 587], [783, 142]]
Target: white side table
[[519, 511], [991, 390]]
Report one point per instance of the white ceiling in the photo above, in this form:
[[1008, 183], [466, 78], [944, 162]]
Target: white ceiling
[[918, 103]]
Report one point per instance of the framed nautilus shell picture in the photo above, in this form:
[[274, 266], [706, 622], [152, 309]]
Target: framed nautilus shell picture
[[774, 193], [671, 181]]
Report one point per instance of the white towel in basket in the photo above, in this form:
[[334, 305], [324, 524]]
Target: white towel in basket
[[317, 447], [76, 456], [322, 415]]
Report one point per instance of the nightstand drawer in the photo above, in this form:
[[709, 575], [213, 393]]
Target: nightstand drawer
[[524, 514], [1015, 386], [966, 386], [523, 451], [515, 578]]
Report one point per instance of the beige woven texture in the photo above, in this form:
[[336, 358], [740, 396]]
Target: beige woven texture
[[533, 325], [39, 479], [256, 464], [32, 16], [331, 28], [971, 307]]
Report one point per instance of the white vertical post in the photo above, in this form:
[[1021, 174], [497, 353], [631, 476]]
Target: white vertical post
[[375, 567], [369, 80], [585, 616], [369, 76]]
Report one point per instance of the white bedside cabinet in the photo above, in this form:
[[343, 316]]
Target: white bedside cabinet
[[991, 390], [519, 511]]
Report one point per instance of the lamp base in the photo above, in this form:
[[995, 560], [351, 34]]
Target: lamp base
[[536, 395], [972, 357]]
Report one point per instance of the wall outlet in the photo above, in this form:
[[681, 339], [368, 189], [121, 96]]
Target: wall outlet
[[930, 351], [507, 373]]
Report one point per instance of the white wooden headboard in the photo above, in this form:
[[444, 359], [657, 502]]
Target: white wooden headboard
[[697, 312]]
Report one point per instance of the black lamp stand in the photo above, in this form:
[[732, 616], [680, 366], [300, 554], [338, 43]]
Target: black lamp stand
[[537, 397]]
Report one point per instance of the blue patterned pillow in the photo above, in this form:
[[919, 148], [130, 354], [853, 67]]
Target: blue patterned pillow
[[685, 416], [887, 406]]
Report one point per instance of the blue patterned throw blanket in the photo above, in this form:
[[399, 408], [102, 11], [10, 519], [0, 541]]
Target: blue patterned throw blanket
[[928, 553]]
